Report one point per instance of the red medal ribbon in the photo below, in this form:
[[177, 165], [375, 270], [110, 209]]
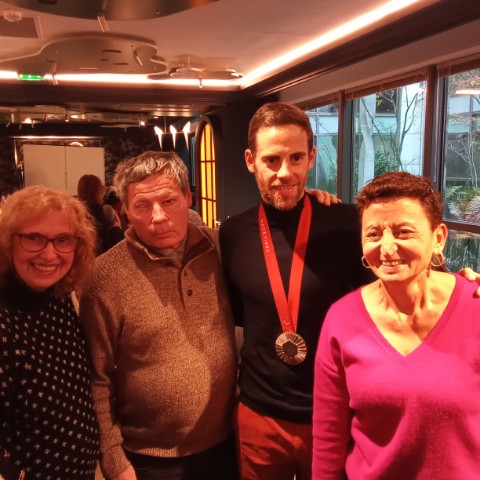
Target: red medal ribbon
[[287, 310]]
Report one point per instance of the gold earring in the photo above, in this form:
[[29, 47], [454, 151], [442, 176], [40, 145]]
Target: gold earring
[[365, 263], [438, 260]]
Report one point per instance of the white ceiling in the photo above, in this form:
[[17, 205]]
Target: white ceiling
[[243, 35], [212, 40]]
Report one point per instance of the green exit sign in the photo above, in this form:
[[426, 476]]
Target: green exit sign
[[29, 76]]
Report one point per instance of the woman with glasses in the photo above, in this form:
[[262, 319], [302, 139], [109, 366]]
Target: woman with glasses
[[48, 428]]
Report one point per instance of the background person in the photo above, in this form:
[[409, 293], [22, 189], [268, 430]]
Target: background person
[[113, 231], [91, 190], [159, 325], [396, 374], [111, 198], [274, 418], [47, 421]]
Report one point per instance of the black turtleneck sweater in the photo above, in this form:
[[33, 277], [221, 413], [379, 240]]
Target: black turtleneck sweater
[[332, 269], [47, 421]]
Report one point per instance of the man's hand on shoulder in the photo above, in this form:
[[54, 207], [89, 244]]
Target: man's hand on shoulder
[[128, 474], [471, 276], [323, 197]]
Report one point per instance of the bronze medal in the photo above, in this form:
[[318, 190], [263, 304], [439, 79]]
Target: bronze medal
[[291, 348]]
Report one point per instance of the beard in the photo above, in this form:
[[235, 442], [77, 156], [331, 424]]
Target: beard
[[273, 197], [278, 201]]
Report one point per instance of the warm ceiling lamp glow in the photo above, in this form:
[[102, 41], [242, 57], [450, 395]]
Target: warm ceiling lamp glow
[[276, 64], [173, 131], [344, 30], [468, 91], [137, 79], [159, 133], [186, 131], [6, 75]]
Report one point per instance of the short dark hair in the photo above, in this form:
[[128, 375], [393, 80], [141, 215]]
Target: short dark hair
[[274, 114], [403, 185]]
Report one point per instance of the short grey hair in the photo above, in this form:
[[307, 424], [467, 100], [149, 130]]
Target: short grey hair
[[150, 163]]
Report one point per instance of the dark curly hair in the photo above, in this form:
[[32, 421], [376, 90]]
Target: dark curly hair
[[400, 185]]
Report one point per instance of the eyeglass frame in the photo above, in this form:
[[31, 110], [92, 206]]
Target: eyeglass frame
[[48, 240]]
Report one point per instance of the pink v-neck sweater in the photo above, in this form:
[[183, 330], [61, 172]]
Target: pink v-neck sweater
[[381, 415]]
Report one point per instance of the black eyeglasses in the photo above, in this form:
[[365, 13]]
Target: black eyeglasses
[[34, 242]]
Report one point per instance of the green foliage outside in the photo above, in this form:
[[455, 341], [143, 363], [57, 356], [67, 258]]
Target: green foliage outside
[[462, 250]]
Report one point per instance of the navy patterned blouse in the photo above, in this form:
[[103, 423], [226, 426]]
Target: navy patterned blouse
[[47, 421]]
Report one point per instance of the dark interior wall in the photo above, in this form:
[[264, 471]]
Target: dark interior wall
[[236, 187], [119, 144], [8, 171]]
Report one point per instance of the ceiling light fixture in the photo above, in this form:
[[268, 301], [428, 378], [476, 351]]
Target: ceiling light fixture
[[103, 22], [186, 131], [468, 91], [8, 75], [159, 132], [12, 15], [173, 131]]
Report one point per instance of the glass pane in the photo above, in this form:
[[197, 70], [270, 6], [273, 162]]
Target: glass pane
[[203, 178], [388, 133], [212, 146], [202, 146], [211, 218], [214, 185], [462, 250], [462, 148], [324, 122], [208, 142], [208, 176]]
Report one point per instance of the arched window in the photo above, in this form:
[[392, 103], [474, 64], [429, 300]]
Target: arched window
[[206, 180]]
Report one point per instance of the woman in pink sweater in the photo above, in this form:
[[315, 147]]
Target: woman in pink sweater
[[397, 373]]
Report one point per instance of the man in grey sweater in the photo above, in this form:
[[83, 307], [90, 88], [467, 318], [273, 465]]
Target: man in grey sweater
[[158, 322]]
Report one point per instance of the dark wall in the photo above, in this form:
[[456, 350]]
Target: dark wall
[[8, 171], [119, 144], [236, 187]]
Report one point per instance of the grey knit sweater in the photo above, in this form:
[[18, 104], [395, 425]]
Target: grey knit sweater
[[162, 340]]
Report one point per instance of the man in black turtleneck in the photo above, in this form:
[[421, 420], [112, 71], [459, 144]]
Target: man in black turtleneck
[[279, 302]]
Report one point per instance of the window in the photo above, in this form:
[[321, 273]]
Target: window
[[462, 148], [206, 184], [324, 122], [382, 128], [388, 133], [462, 250]]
